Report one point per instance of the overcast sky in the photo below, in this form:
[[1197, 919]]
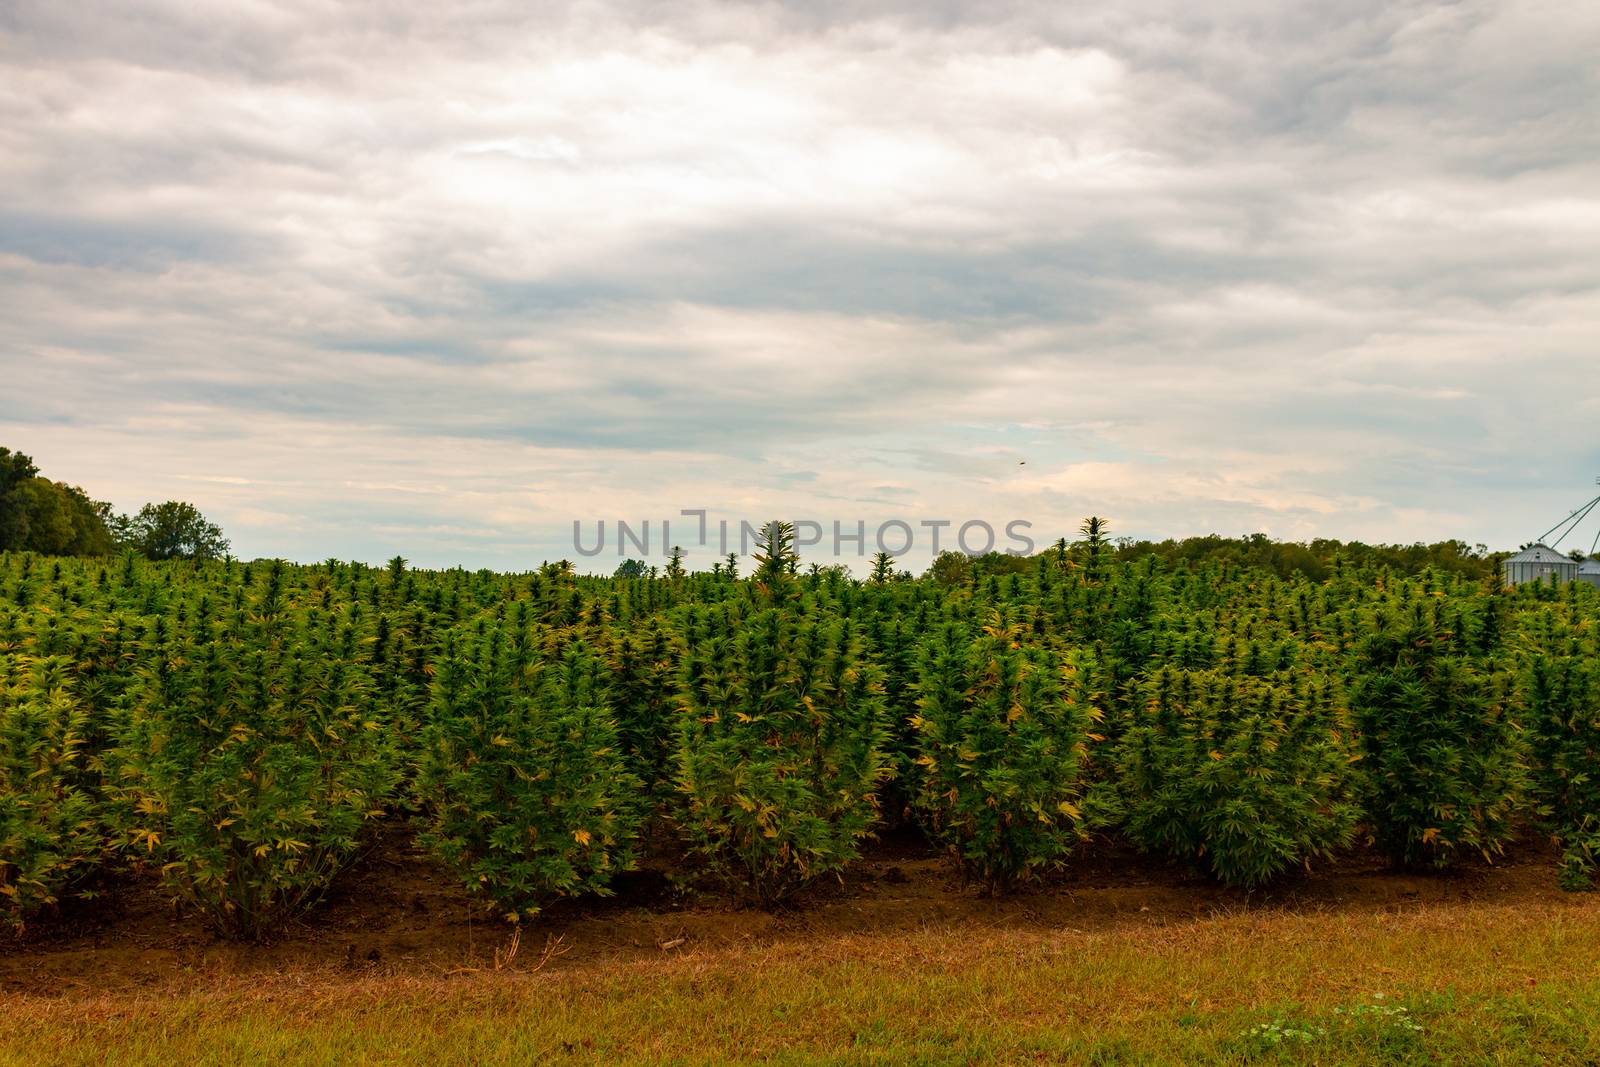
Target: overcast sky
[[438, 279]]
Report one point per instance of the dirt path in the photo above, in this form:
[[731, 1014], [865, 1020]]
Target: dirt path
[[398, 913]]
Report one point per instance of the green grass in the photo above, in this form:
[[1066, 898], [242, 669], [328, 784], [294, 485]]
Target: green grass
[[1450, 984]]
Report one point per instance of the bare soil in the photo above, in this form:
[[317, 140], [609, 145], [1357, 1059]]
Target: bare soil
[[398, 912]]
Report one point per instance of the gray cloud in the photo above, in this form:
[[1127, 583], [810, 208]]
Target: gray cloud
[[437, 280]]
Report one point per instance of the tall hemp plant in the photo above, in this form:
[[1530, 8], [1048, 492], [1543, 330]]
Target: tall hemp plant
[[1443, 758], [781, 750], [1244, 777], [1561, 694], [51, 836], [251, 775], [1002, 748], [523, 777]]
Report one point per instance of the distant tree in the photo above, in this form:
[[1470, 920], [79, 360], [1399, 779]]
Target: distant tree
[[830, 573], [16, 469], [631, 568], [53, 518], [1318, 558], [45, 517], [950, 568], [1001, 563], [173, 530], [61, 520]]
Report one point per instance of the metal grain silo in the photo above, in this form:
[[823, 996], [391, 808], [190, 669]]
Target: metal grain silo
[[1539, 563], [1589, 571]]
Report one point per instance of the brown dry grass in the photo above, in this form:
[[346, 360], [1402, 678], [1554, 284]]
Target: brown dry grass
[[1490, 982]]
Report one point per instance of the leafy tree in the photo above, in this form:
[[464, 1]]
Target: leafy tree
[[1316, 559], [47, 517], [61, 520], [15, 470], [631, 568], [951, 568], [51, 518], [173, 530]]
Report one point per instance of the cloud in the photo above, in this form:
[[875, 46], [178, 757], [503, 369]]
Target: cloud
[[381, 279]]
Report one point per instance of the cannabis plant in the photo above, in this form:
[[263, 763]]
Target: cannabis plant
[[526, 786], [51, 838], [776, 562], [643, 694], [1242, 777], [1562, 696], [1002, 749], [1443, 758], [780, 750], [252, 777]]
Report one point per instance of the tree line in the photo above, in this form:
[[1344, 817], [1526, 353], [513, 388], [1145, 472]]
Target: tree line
[[56, 519]]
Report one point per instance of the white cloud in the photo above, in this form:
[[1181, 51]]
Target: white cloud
[[434, 282]]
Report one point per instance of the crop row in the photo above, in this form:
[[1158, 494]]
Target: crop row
[[240, 731]]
